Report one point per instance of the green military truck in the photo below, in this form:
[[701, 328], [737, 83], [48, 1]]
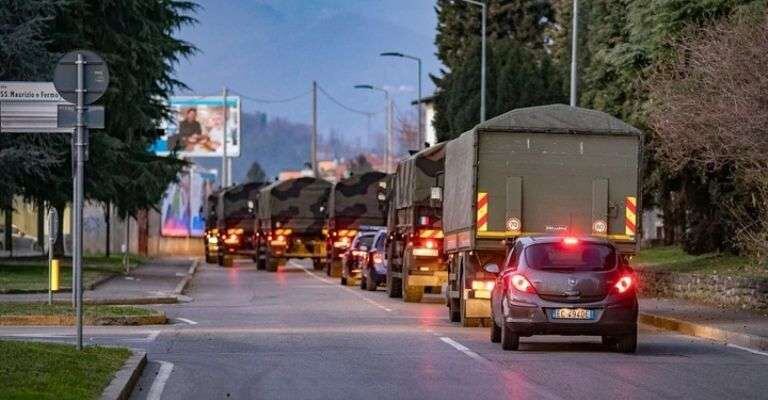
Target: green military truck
[[211, 238], [415, 242], [237, 220], [291, 217], [356, 204], [541, 170]]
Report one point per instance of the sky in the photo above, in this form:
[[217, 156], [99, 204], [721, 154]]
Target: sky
[[274, 49]]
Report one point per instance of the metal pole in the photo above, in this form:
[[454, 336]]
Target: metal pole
[[422, 139], [482, 72], [574, 49], [313, 141], [388, 158], [77, 256], [50, 265], [224, 166]]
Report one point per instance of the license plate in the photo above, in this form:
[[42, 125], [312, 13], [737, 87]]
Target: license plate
[[572, 313]]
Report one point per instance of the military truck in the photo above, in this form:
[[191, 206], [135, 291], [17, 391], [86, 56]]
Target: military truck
[[415, 241], [291, 217], [237, 221], [211, 238], [541, 170], [356, 203]]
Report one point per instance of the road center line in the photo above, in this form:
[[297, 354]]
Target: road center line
[[372, 302], [159, 384], [460, 347], [747, 349], [188, 321]]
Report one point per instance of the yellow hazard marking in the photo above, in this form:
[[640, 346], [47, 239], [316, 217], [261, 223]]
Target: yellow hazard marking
[[630, 216], [482, 211]]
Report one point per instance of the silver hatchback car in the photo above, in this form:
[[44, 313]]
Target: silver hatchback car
[[555, 285]]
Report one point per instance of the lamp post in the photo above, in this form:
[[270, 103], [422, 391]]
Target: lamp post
[[484, 9], [418, 102], [388, 100], [574, 50]]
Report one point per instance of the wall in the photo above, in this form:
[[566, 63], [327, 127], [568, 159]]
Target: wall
[[747, 293]]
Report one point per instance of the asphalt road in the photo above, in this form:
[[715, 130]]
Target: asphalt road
[[297, 335]]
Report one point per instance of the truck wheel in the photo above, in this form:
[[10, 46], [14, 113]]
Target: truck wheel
[[272, 263], [411, 294], [454, 310], [343, 281], [627, 343], [370, 282], [509, 340], [261, 263], [220, 260], [317, 265], [394, 286], [495, 331]]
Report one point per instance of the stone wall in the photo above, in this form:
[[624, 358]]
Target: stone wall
[[746, 293]]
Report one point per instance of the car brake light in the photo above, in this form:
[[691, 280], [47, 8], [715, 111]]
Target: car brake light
[[521, 283], [430, 244], [623, 284], [570, 241], [378, 258]]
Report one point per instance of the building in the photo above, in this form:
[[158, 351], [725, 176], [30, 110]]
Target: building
[[428, 112]]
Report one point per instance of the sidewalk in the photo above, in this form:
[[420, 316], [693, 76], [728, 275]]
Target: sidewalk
[[736, 327], [152, 283]]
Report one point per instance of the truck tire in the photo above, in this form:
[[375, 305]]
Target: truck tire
[[343, 280], [272, 263], [454, 310], [261, 263], [509, 340], [220, 259], [317, 265], [394, 286], [412, 294]]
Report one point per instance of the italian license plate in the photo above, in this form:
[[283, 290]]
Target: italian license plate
[[572, 313]]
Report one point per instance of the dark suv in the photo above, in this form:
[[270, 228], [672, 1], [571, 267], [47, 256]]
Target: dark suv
[[554, 285], [374, 266]]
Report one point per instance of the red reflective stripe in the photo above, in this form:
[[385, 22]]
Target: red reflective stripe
[[482, 200], [631, 226], [631, 206]]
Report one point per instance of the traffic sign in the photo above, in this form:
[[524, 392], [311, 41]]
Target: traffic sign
[[53, 225], [95, 76], [67, 117], [29, 107]]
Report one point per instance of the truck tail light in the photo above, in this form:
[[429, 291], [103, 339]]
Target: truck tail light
[[624, 283], [521, 283]]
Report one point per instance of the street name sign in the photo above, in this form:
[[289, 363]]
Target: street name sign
[[30, 107]]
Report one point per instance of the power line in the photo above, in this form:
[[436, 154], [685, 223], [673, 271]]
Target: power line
[[271, 101], [342, 105]]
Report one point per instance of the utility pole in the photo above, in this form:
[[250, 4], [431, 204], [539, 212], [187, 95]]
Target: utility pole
[[224, 163], [313, 141], [482, 72], [574, 52], [77, 245], [422, 139], [390, 110]]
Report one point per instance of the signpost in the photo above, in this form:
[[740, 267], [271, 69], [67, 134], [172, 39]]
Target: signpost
[[81, 77], [53, 273]]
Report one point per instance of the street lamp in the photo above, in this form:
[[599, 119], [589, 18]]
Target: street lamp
[[388, 156], [418, 60], [482, 62]]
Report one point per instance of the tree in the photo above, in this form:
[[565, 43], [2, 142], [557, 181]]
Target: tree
[[360, 165], [255, 173]]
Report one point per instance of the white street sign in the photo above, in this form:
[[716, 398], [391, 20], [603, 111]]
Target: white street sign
[[30, 107]]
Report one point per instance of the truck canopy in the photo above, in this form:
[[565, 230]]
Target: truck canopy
[[236, 203], [543, 170], [417, 175], [355, 201], [300, 204]]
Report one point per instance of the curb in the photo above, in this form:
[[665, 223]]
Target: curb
[[185, 281], [99, 281], [69, 320], [752, 342], [125, 379]]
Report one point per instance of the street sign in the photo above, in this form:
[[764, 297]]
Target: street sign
[[95, 76], [67, 117], [53, 225], [29, 107]]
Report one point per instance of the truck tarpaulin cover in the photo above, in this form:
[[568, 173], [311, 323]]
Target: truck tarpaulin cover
[[300, 204], [551, 167], [417, 175], [354, 201], [236, 202]]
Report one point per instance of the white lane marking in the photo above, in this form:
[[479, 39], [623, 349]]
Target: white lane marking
[[372, 302], [460, 347], [159, 384], [753, 351], [188, 321]]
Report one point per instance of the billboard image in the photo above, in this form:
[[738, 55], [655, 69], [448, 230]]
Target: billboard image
[[181, 212], [196, 128]]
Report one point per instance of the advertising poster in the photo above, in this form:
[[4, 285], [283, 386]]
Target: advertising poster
[[196, 128], [181, 211]]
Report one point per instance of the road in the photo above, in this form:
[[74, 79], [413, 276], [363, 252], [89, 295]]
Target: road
[[296, 334]]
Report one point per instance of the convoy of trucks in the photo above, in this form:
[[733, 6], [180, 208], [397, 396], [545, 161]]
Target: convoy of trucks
[[458, 206]]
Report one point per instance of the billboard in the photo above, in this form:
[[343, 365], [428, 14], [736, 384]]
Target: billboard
[[196, 127], [182, 211]]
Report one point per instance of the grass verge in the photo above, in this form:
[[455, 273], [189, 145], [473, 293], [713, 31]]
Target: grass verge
[[674, 259], [95, 311], [33, 275], [56, 371]]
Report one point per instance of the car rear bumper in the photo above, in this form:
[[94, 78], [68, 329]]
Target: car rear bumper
[[617, 318]]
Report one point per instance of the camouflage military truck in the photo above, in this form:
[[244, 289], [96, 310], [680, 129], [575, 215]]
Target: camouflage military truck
[[355, 204], [292, 214], [211, 238], [237, 221], [414, 248], [541, 170]]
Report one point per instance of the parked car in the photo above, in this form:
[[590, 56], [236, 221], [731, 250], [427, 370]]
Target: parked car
[[554, 285], [355, 256], [373, 271]]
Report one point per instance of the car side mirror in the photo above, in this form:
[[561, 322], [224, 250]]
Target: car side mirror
[[491, 268]]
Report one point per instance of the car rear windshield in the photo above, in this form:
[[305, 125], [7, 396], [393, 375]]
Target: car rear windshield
[[577, 257], [366, 241]]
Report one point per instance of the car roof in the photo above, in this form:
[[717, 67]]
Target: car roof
[[558, 238]]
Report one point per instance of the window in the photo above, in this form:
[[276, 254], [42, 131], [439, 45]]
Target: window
[[577, 257], [365, 240], [514, 256]]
